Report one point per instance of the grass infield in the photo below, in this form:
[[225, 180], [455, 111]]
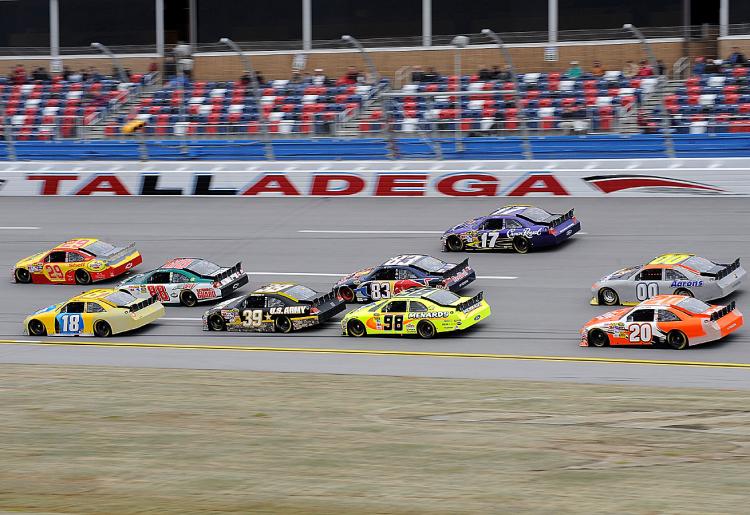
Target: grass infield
[[96, 440]]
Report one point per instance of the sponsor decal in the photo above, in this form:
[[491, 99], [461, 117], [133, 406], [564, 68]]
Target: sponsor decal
[[205, 293], [96, 265], [429, 314], [290, 310], [678, 284], [36, 268], [525, 232], [615, 183]]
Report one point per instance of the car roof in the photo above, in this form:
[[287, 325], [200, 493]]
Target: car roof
[[76, 244], [410, 259], [663, 301], [421, 293], [670, 259], [277, 289], [93, 295], [511, 209], [180, 263]]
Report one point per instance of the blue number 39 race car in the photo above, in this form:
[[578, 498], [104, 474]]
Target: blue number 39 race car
[[517, 227]]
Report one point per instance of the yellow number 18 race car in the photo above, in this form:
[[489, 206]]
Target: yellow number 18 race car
[[422, 311], [101, 312]]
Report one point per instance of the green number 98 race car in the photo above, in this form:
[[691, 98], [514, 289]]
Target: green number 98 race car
[[421, 311]]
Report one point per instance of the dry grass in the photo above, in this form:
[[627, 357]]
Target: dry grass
[[113, 440]]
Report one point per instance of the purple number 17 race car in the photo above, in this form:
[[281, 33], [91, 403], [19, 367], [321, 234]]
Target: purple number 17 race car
[[517, 227]]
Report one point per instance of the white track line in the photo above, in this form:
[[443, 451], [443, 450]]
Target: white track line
[[315, 274], [181, 319], [18, 228], [316, 231]]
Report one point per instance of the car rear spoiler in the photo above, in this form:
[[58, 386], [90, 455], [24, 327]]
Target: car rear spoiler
[[728, 269], [456, 269], [322, 299], [220, 276], [560, 219], [137, 306], [723, 311], [117, 256], [471, 303]]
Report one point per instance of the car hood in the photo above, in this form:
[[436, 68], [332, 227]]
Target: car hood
[[468, 225], [610, 316], [358, 275], [30, 260]]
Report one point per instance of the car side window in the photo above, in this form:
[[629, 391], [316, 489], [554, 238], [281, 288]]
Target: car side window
[[73, 257], [385, 274], [512, 224], [664, 315], [492, 224], [403, 273], [55, 257], [416, 307], [159, 278], [273, 302], [650, 274], [73, 307], [179, 278], [395, 306], [671, 274], [641, 315], [93, 307], [254, 301]]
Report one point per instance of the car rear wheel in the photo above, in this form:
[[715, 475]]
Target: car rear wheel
[[82, 277], [455, 244], [216, 323], [677, 340], [102, 329], [188, 298], [346, 293], [283, 324], [683, 291], [609, 297], [36, 328], [598, 338], [22, 275], [356, 328], [426, 330], [521, 244]]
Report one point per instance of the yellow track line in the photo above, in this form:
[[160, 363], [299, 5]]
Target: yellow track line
[[378, 352]]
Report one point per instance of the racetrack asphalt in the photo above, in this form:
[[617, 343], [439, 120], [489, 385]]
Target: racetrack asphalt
[[538, 314]]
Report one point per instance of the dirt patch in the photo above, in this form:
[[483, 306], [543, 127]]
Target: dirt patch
[[112, 440]]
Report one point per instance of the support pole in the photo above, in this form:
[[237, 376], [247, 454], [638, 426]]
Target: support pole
[[54, 36], [159, 6], [724, 18], [306, 24], [426, 22]]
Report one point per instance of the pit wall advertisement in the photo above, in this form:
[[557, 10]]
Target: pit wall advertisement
[[579, 178]]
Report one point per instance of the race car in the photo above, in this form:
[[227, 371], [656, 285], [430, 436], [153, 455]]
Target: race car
[[400, 273], [277, 307], [421, 311], [675, 320], [99, 312], [518, 227], [187, 281], [81, 261], [681, 274]]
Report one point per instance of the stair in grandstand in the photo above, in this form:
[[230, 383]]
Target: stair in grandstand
[[651, 103], [97, 130]]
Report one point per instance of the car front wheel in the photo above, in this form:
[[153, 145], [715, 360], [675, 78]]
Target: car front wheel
[[356, 328], [22, 275], [455, 244], [36, 328], [598, 338], [609, 297], [217, 323]]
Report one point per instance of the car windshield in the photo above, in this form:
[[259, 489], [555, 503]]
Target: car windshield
[[443, 297], [100, 248], [120, 298], [430, 264], [624, 273], [300, 292], [699, 263], [203, 267], [693, 305], [136, 279], [536, 214]]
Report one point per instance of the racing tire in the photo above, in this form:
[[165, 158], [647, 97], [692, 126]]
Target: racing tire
[[102, 329], [683, 291], [82, 277], [346, 293], [598, 338], [282, 324], [216, 323], [521, 245], [188, 298], [677, 340], [454, 244], [356, 328], [36, 328], [426, 330], [608, 297], [22, 276]]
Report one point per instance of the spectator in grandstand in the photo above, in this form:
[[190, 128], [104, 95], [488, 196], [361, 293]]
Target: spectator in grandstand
[[644, 69], [297, 77], [351, 77], [259, 77], [574, 71], [597, 70], [630, 70], [431, 75], [699, 67], [153, 67], [66, 73], [319, 78], [417, 74], [40, 74], [504, 75], [713, 66], [485, 74], [94, 75], [19, 75], [75, 77], [737, 58], [661, 69]]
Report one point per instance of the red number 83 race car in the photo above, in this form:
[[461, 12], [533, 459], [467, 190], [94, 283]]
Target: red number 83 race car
[[675, 320]]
